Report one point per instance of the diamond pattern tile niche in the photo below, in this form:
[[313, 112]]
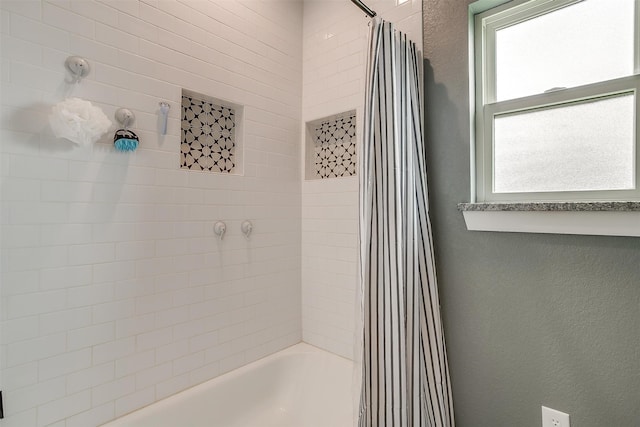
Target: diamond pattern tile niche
[[208, 135], [335, 147]]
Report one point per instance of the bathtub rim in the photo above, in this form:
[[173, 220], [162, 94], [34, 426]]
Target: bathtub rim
[[298, 348]]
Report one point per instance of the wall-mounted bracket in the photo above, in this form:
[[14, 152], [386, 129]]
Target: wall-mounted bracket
[[164, 114], [78, 67], [125, 117]]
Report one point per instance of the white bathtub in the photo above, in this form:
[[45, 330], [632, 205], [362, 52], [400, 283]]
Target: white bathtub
[[301, 386]]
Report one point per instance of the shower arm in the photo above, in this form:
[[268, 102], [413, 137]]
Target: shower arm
[[364, 8]]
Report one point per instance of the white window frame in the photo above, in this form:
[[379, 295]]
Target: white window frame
[[485, 25]]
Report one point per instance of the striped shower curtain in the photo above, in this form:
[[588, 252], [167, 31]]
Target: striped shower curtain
[[405, 376]]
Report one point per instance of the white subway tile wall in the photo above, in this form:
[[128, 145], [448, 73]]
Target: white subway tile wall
[[115, 291], [334, 56]]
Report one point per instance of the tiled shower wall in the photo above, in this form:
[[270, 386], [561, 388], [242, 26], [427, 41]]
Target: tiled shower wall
[[335, 44], [115, 291]]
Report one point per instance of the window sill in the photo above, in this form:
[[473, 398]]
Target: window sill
[[591, 218]]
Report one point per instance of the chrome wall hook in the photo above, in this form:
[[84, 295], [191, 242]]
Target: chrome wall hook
[[125, 117], [78, 67]]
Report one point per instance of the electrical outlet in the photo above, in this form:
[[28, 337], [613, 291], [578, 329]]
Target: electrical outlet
[[553, 418]]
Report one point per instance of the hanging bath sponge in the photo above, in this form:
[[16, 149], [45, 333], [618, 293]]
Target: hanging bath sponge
[[78, 121], [125, 140]]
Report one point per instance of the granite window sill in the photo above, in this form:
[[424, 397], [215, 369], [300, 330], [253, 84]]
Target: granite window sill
[[591, 218]]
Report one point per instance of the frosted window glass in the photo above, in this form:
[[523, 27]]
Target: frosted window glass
[[577, 147], [584, 43]]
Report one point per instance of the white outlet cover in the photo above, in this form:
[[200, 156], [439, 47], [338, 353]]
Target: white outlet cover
[[553, 418]]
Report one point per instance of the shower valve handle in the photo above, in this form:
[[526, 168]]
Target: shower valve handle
[[220, 228], [246, 227]]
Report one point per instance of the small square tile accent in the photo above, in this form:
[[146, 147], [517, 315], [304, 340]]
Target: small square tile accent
[[335, 147], [208, 136]]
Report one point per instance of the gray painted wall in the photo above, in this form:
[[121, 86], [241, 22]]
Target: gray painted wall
[[530, 319]]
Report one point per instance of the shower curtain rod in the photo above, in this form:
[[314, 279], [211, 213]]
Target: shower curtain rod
[[364, 8]]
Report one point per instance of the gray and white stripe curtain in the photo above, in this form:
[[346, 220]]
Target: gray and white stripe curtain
[[405, 376]]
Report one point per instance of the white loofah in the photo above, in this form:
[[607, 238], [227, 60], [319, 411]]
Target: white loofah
[[78, 121]]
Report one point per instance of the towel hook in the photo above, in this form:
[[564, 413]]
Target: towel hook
[[78, 67], [125, 117]]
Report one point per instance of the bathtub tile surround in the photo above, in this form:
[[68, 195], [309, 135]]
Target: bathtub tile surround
[[335, 44], [115, 292], [335, 147], [208, 136]]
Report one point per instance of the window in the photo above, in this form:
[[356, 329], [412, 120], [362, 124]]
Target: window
[[557, 101]]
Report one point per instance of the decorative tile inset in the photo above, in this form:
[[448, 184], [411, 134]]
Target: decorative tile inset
[[335, 147], [208, 136]]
